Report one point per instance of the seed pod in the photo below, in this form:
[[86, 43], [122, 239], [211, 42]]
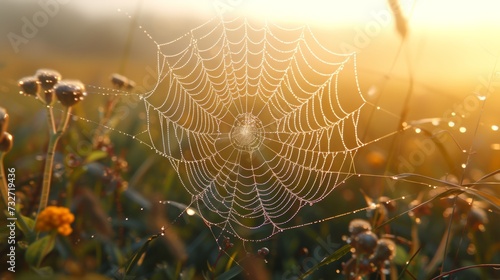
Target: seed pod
[[385, 250], [48, 78], [70, 92], [29, 85], [6, 142], [358, 226], [119, 81], [4, 121], [364, 243]]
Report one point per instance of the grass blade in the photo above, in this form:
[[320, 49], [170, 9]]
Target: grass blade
[[329, 259]]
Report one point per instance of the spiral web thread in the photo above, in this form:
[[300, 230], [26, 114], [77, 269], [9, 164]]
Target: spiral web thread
[[258, 121]]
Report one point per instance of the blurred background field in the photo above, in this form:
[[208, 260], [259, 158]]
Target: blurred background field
[[443, 67]]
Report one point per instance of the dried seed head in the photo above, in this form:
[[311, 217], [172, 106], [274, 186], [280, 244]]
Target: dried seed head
[[358, 226], [4, 121], [364, 243], [385, 250], [119, 81], [29, 85], [48, 78], [70, 92], [6, 142]]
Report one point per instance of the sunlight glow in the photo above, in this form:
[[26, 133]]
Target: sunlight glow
[[421, 13], [319, 11], [495, 146]]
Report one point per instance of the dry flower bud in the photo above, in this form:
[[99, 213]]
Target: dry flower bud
[[29, 85], [48, 78], [358, 226], [4, 121], [70, 92], [385, 250], [364, 243], [6, 142], [119, 80]]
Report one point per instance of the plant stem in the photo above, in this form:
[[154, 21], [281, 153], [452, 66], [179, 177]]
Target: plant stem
[[50, 120], [55, 135], [3, 182], [5, 196]]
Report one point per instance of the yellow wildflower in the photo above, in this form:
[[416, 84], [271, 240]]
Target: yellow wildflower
[[55, 218]]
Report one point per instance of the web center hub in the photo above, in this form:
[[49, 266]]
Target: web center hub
[[247, 133]]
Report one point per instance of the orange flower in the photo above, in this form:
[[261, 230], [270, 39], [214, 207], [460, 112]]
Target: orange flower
[[55, 218]]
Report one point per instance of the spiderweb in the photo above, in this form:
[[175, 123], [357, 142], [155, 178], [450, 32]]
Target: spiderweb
[[258, 120]]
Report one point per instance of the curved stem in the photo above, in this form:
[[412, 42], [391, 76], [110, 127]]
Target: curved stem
[[49, 159]]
